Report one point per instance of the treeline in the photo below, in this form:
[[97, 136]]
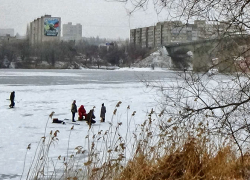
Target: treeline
[[88, 52]]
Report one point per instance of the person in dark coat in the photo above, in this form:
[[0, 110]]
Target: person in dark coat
[[73, 110], [56, 120], [81, 113], [12, 98], [90, 117], [102, 114]]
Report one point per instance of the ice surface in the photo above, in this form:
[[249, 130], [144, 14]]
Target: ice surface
[[26, 123]]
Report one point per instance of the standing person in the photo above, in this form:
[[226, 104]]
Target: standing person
[[73, 110], [102, 114], [12, 98]]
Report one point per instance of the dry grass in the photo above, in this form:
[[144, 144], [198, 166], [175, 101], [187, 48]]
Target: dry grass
[[188, 162], [151, 151]]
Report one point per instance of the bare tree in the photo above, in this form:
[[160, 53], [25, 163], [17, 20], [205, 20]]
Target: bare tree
[[221, 102], [235, 12]]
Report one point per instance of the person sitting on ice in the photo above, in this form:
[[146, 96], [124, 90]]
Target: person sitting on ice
[[55, 120], [90, 117], [81, 113]]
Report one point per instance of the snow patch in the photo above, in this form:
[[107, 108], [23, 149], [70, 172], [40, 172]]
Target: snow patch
[[156, 59]]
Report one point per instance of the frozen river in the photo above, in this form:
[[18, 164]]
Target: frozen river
[[39, 92], [74, 77]]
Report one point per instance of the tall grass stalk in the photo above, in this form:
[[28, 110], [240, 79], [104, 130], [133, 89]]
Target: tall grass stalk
[[156, 149]]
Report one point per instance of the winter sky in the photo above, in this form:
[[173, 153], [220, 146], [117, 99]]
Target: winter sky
[[98, 17]]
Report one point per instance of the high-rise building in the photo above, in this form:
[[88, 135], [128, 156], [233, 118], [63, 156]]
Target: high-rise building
[[43, 29], [72, 32], [5, 32]]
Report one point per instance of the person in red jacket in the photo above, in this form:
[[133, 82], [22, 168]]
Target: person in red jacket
[[81, 113]]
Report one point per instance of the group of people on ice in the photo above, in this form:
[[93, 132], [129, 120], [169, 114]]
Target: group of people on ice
[[83, 116]]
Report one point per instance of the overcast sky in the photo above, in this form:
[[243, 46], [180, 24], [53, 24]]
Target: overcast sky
[[98, 17]]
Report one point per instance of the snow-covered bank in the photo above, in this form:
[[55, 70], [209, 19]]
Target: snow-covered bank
[[143, 69]]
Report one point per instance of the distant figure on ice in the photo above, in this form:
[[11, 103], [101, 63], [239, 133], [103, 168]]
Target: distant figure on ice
[[102, 114], [90, 117], [12, 98], [81, 113], [73, 110]]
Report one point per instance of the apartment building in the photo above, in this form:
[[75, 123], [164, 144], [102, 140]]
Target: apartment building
[[7, 32], [45, 28], [167, 32], [72, 32]]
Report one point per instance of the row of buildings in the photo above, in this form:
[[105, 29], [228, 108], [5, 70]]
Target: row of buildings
[[46, 28], [167, 32]]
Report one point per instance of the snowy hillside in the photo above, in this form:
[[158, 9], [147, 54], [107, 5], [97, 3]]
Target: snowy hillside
[[159, 58]]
